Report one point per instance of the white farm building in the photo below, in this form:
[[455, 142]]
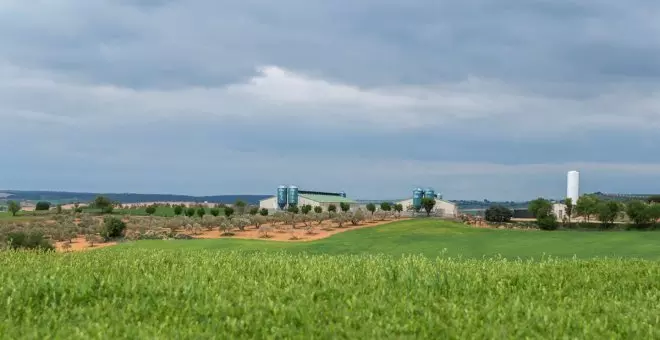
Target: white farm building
[[442, 208]]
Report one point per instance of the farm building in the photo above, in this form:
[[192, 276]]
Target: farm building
[[442, 207], [287, 196]]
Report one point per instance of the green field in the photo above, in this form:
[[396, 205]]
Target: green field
[[405, 280], [433, 237], [199, 294]]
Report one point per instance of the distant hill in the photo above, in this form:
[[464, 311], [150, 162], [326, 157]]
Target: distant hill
[[69, 197]]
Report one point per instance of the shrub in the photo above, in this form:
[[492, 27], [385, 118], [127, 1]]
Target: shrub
[[178, 210], [215, 211], [254, 211], [190, 212], [318, 209], [229, 211], [547, 222], [428, 203], [499, 214], [42, 205], [201, 212], [150, 210], [345, 207], [34, 239], [305, 209], [293, 209], [112, 227], [263, 212]]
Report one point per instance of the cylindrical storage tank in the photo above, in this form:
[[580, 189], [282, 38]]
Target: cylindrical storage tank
[[438, 196], [430, 193], [417, 198], [281, 196], [342, 194], [573, 186], [293, 195]]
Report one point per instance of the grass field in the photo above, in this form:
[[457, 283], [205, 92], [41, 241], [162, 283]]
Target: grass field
[[432, 237], [194, 294]]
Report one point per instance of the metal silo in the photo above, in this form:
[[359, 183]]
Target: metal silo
[[293, 195], [281, 196], [430, 193], [417, 198], [342, 194]]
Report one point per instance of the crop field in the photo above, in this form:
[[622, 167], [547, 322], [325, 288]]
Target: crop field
[[436, 237], [193, 294]]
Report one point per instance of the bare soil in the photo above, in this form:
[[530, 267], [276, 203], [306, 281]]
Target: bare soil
[[281, 233]]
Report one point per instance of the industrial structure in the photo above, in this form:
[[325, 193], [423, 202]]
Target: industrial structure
[[572, 192], [573, 186], [288, 196], [441, 208], [293, 196]]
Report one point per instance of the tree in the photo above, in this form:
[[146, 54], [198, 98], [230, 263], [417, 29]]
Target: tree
[[178, 210], [254, 211], [639, 213], [293, 209], [305, 209], [201, 212], [150, 210], [345, 207], [263, 212], [332, 208], [13, 207], [499, 214], [587, 206], [190, 212], [654, 212], [428, 203], [318, 209], [112, 227], [103, 203], [215, 212], [229, 211], [654, 199], [240, 207], [608, 213], [569, 208], [42, 206], [386, 206], [398, 208], [371, 208], [540, 207], [357, 217]]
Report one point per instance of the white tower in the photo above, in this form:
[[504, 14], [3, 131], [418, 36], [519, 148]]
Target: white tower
[[573, 186]]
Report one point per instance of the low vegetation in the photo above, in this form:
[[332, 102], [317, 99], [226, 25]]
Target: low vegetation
[[202, 293]]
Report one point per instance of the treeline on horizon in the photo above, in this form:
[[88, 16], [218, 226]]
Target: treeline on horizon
[[63, 197]]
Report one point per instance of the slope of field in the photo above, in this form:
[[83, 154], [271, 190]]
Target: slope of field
[[197, 294], [435, 237]]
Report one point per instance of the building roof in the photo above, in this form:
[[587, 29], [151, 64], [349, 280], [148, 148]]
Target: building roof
[[327, 199]]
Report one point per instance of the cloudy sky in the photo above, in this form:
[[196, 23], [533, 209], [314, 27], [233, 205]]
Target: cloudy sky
[[478, 99]]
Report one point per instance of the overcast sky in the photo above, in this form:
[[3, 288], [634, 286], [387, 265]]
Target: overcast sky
[[476, 98]]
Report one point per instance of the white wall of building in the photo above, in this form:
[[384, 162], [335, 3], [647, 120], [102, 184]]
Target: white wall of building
[[447, 209], [268, 203]]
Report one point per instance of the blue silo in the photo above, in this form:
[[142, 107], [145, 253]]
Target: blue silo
[[417, 198], [430, 193], [281, 197], [293, 195], [342, 194]]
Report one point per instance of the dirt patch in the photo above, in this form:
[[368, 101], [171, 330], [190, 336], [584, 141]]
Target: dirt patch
[[286, 234], [79, 243], [278, 232]]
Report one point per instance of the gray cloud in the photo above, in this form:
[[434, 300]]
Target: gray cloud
[[165, 95]]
